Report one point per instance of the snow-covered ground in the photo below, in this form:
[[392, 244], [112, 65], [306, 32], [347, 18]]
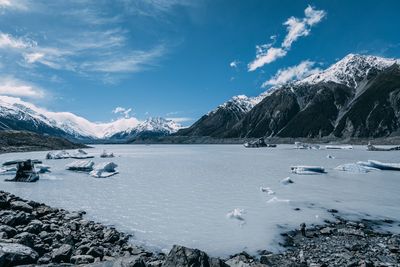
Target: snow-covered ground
[[182, 194]]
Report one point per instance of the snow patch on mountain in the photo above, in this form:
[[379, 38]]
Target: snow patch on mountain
[[351, 70], [77, 126]]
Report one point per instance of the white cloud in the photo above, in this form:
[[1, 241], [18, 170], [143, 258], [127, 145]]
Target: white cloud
[[313, 16], [270, 55], [296, 28], [33, 57], [304, 69], [301, 27], [14, 4], [129, 62], [8, 41], [234, 64], [124, 111], [14, 87]]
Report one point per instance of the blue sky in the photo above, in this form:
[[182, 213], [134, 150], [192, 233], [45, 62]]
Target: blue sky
[[176, 58]]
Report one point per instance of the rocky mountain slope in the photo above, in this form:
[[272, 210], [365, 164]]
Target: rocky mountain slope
[[356, 97], [17, 141], [16, 114]]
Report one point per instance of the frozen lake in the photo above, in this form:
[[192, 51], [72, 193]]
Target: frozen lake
[[181, 194]]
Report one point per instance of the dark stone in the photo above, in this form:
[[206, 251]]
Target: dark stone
[[12, 254], [186, 257], [82, 259], [62, 254]]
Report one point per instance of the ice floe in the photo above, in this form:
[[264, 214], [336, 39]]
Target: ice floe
[[267, 190], [275, 199], [338, 147], [354, 168], [236, 214], [79, 154], [103, 170], [80, 165], [300, 145], [287, 181], [380, 165], [106, 155], [304, 169]]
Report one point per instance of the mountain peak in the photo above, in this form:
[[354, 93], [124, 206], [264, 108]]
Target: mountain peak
[[350, 70]]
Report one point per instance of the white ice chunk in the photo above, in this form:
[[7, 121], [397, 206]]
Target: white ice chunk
[[103, 170], [267, 190], [303, 169], [338, 147], [353, 167], [80, 165], [275, 199], [236, 214], [287, 181]]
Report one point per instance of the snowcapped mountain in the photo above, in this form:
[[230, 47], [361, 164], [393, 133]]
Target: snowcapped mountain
[[357, 96], [17, 114], [351, 70]]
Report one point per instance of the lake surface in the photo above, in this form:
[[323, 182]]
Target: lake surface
[[181, 194]]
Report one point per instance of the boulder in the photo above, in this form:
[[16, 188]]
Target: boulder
[[62, 254], [243, 260], [21, 205], [134, 261], [186, 257], [12, 254], [82, 259], [10, 231]]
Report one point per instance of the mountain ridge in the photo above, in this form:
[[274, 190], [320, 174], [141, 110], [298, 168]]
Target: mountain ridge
[[315, 106]]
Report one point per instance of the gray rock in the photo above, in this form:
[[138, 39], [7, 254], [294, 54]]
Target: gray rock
[[326, 230], [243, 261], [12, 254], [186, 257], [21, 205], [62, 254], [134, 261], [10, 231], [82, 259]]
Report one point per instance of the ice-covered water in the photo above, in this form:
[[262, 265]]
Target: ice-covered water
[[182, 194]]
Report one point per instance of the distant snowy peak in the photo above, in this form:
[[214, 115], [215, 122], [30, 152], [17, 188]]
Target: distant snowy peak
[[239, 103], [158, 124], [350, 70], [14, 112]]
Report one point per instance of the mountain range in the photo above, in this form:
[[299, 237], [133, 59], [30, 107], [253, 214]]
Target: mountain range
[[16, 114], [359, 96]]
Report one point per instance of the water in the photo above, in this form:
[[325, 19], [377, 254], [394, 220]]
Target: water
[[181, 194]]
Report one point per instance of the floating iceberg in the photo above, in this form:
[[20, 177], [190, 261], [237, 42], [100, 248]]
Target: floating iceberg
[[80, 165], [103, 170], [287, 181], [106, 155], [267, 190], [371, 147], [380, 165], [303, 169], [338, 147], [275, 199], [354, 168], [236, 214], [300, 145], [79, 154], [58, 155], [330, 156]]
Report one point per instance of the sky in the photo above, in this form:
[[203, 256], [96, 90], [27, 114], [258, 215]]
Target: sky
[[177, 59]]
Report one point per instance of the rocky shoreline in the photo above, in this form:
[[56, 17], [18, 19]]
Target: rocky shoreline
[[33, 234]]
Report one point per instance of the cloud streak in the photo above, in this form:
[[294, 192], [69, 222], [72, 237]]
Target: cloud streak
[[13, 87], [300, 71], [296, 28]]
